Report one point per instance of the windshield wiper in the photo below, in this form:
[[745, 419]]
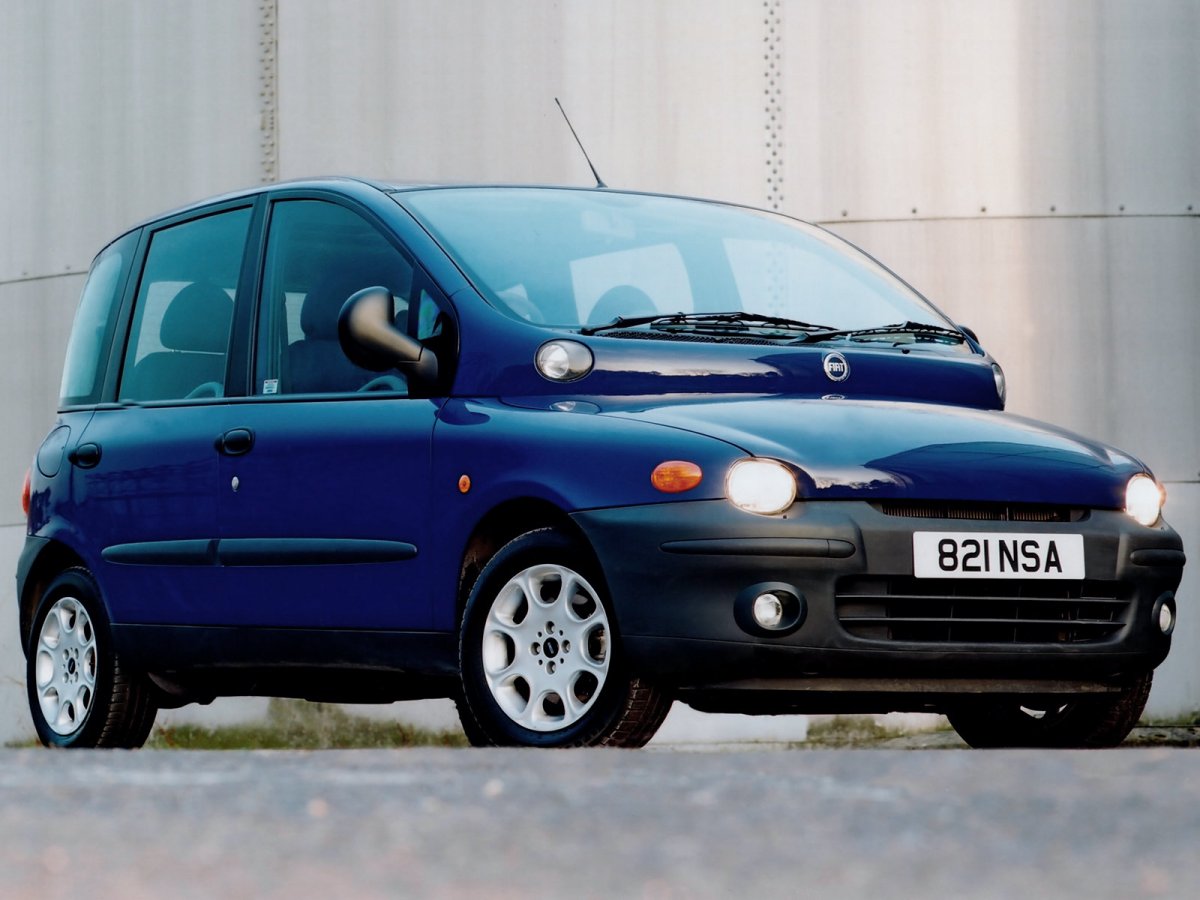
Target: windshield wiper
[[724, 321], [915, 328]]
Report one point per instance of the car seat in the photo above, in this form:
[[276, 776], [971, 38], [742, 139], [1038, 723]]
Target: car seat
[[195, 333], [625, 301], [317, 364]]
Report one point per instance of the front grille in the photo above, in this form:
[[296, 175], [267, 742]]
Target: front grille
[[980, 512], [984, 611]]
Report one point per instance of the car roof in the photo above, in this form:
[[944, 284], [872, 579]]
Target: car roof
[[340, 182]]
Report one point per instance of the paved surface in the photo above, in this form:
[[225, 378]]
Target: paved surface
[[466, 823]]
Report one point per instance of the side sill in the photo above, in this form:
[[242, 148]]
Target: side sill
[[173, 648]]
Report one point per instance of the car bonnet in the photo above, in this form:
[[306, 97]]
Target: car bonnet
[[867, 449]]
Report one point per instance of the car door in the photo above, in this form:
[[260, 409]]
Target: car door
[[145, 468], [325, 469]]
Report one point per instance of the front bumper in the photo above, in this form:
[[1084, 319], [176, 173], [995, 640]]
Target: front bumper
[[676, 571]]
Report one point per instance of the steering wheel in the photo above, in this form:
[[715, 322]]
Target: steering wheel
[[385, 383]]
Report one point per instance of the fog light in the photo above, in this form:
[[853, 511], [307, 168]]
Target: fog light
[[768, 610], [1166, 618]]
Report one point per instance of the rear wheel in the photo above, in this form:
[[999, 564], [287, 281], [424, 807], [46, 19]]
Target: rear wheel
[[540, 660], [1102, 720], [80, 694]]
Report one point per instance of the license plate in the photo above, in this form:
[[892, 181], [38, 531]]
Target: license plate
[[940, 554]]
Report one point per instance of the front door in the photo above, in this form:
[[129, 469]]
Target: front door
[[325, 469]]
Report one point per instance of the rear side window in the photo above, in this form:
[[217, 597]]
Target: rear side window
[[183, 314], [91, 335]]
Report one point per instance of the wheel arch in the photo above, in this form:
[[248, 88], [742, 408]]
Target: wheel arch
[[53, 558], [502, 524]]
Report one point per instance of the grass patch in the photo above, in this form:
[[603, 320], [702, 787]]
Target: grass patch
[[299, 725], [1185, 720], [849, 731]]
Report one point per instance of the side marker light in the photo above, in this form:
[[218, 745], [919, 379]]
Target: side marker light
[[675, 476]]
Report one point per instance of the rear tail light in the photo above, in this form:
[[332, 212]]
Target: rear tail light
[[25, 493]]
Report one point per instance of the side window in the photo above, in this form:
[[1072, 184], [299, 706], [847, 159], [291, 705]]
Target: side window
[[318, 254], [184, 310], [83, 373]]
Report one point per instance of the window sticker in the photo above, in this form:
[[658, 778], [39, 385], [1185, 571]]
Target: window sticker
[[271, 386]]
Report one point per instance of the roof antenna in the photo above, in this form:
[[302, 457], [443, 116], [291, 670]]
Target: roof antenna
[[595, 174]]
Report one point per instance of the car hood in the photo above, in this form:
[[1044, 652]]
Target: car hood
[[854, 449]]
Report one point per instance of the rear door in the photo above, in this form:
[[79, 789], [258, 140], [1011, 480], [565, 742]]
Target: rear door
[[145, 469]]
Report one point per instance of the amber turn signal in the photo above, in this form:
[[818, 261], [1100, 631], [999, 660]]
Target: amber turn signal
[[674, 476], [25, 494]]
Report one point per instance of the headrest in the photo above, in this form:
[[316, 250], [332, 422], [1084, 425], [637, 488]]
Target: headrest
[[198, 319], [624, 300], [319, 314]]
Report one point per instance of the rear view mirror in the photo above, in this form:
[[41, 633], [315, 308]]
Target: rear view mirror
[[369, 337]]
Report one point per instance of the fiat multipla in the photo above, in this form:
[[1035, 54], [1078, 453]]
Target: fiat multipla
[[566, 456]]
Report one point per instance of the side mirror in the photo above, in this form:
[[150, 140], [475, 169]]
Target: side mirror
[[369, 337], [968, 331]]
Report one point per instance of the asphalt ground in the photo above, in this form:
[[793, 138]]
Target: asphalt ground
[[600, 823]]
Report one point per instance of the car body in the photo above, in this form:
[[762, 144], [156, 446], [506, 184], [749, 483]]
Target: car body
[[565, 455]]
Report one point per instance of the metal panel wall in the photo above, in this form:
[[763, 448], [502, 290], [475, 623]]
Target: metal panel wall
[[115, 111], [665, 95]]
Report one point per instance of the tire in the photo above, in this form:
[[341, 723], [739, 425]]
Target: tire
[[539, 656], [1085, 722], [80, 695]]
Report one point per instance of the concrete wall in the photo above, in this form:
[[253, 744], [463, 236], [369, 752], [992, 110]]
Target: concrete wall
[[1028, 164]]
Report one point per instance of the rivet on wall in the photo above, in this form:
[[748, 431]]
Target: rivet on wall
[[268, 24], [773, 104]]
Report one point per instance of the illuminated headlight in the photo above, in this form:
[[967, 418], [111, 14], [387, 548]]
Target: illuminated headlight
[[1001, 384], [563, 360], [760, 486], [1143, 499]]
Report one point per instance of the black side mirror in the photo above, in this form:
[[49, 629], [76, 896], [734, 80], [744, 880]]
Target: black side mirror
[[369, 337], [969, 332]]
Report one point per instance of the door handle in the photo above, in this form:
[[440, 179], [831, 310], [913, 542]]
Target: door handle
[[235, 442], [85, 456]]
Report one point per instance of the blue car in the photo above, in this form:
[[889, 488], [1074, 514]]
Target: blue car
[[566, 456]]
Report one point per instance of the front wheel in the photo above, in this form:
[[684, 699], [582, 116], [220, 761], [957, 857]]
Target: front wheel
[[1102, 720], [540, 660], [80, 694]]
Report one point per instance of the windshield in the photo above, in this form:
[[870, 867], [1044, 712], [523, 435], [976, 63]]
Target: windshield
[[583, 258]]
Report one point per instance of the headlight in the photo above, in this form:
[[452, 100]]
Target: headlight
[[1144, 499], [563, 360], [1001, 384], [760, 486]]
